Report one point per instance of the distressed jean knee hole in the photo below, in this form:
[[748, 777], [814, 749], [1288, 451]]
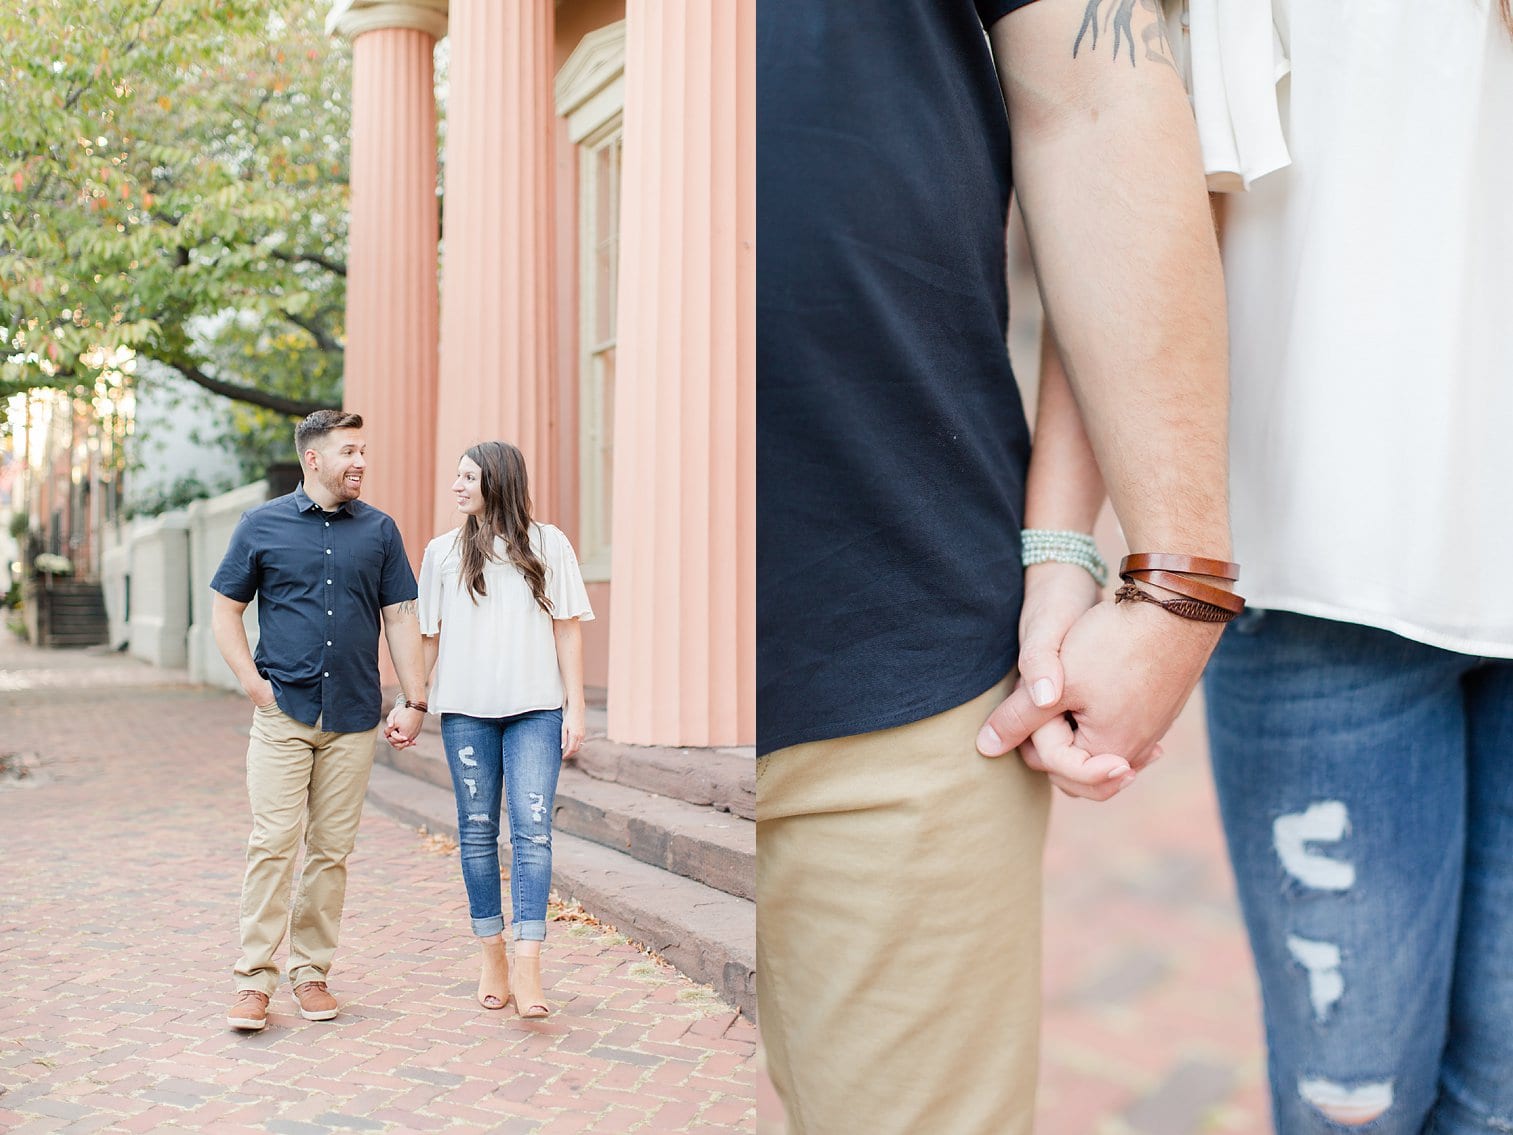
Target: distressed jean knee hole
[[1349, 1107]]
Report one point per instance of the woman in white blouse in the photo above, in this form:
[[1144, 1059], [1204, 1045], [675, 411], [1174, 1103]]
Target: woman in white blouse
[[501, 599], [1361, 710]]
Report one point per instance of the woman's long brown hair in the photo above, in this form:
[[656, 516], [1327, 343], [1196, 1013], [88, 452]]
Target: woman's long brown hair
[[505, 489]]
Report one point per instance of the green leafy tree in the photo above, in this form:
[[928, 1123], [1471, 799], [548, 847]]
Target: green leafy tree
[[175, 182]]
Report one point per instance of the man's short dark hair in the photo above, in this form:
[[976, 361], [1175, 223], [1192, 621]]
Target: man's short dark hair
[[318, 425]]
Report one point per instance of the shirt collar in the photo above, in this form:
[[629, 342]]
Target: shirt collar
[[303, 503]]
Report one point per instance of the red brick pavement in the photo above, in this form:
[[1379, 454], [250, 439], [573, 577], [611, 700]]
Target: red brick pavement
[[1152, 1014], [121, 865], [1151, 1022]]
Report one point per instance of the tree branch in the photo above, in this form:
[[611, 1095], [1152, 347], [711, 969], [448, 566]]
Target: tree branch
[[322, 338], [332, 266], [135, 41], [293, 407]]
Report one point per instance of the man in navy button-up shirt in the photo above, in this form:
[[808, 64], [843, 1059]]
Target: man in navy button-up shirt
[[327, 570], [321, 580]]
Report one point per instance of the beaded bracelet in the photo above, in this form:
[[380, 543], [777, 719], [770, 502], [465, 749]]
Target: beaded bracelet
[[1049, 545]]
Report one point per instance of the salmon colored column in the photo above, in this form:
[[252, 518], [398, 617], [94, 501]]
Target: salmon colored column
[[392, 301], [682, 646], [498, 347]]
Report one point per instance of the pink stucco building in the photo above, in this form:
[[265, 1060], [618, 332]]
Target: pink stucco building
[[587, 292]]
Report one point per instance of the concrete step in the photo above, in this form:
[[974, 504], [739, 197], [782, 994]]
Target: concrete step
[[60, 630], [77, 604], [72, 638], [714, 848], [717, 778], [73, 591], [701, 843], [707, 934]]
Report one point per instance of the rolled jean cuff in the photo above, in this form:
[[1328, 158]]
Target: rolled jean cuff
[[489, 927], [530, 931]]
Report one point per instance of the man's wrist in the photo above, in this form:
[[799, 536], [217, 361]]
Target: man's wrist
[[1210, 540], [402, 702]]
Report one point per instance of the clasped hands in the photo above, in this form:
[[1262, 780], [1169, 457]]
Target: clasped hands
[[1099, 683], [403, 726]]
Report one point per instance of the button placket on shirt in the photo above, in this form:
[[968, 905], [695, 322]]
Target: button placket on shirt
[[330, 608]]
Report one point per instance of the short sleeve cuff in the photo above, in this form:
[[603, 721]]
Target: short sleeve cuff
[[564, 587], [236, 591], [429, 604]]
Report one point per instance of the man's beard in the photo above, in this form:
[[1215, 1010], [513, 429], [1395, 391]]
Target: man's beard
[[336, 484]]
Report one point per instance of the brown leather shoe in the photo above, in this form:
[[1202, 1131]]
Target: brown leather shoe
[[315, 1001], [249, 1011]]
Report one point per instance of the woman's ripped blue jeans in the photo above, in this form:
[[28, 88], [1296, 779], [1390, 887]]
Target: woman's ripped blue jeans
[[515, 760], [1366, 784]]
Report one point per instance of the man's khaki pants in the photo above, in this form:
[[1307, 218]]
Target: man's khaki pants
[[898, 930], [298, 777]]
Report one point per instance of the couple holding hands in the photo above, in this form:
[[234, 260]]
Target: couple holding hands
[[1327, 404], [492, 629]]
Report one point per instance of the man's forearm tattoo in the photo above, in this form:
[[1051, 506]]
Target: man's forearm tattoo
[[1119, 17]]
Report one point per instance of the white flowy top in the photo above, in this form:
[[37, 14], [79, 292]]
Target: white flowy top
[[1231, 54], [498, 656], [1370, 288]]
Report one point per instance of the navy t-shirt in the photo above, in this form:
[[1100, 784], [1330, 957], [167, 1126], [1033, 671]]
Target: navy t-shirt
[[892, 446]]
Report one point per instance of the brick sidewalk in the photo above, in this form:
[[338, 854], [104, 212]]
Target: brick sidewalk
[[121, 861]]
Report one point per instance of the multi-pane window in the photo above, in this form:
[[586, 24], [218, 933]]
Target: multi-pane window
[[599, 237], [590, 98]]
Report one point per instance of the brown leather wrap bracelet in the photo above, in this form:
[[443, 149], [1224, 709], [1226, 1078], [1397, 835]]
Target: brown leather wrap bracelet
[[1194, 609], [1192, 589], [1200, 600], [1166, 561]]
